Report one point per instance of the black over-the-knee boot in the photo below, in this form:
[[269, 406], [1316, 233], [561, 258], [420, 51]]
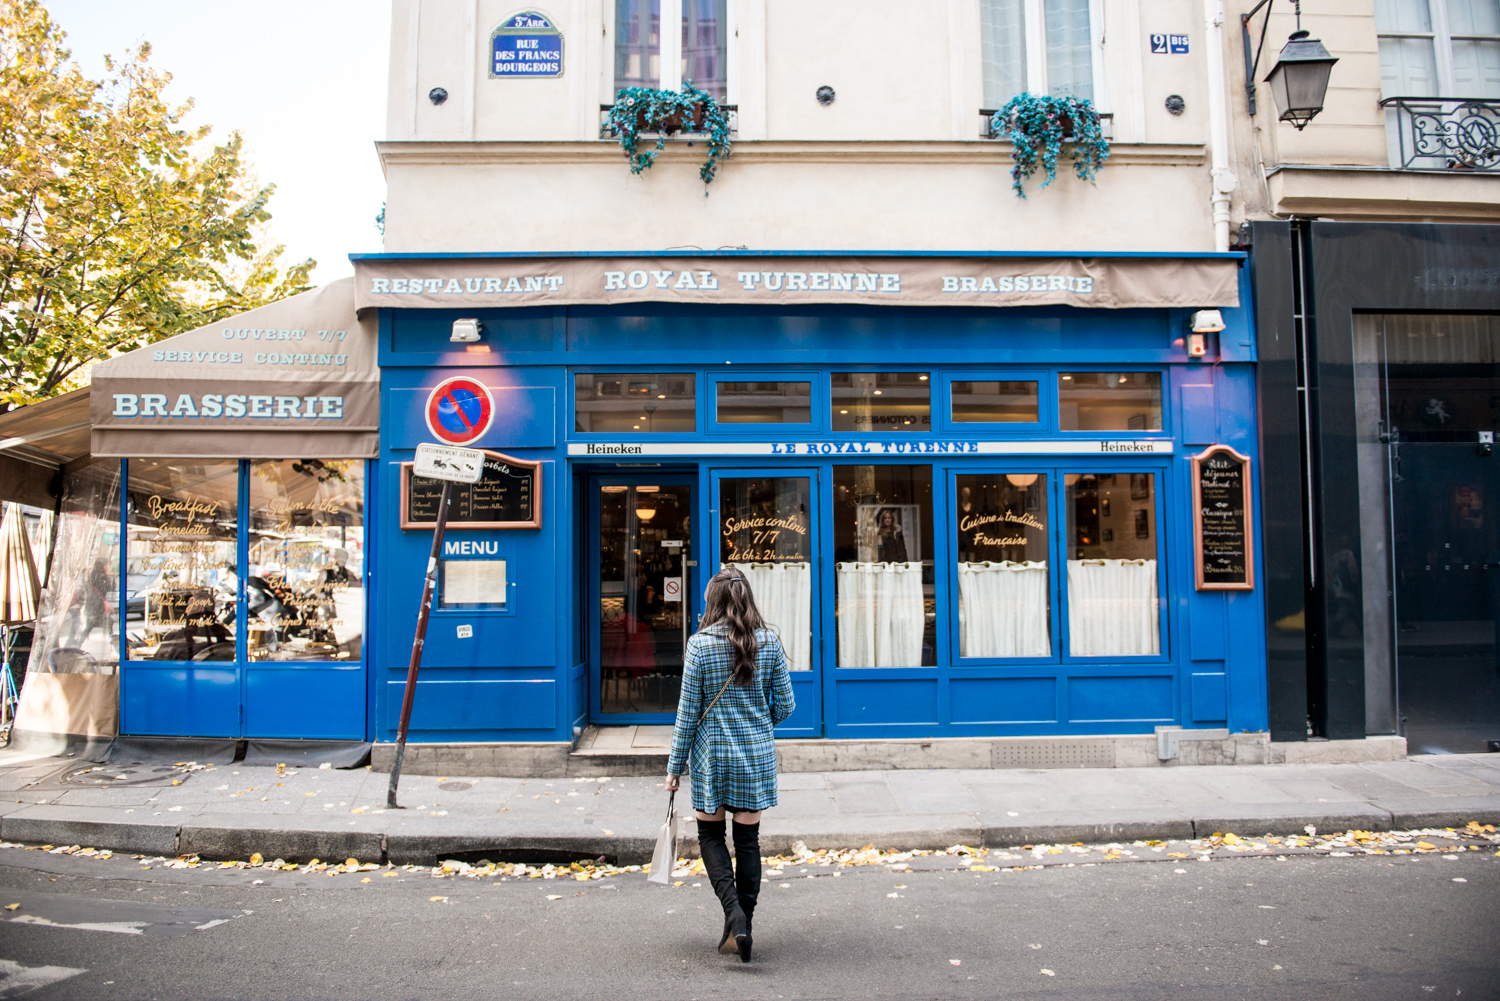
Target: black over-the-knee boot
[[721, 877], [747, 874]]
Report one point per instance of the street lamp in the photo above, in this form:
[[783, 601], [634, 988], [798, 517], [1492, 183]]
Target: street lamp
[[1299, 80]]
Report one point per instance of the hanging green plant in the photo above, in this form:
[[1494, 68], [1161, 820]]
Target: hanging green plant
[[640, 110], [1038, 127]]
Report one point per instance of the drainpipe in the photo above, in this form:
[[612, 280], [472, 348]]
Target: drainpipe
[[1224, 180]]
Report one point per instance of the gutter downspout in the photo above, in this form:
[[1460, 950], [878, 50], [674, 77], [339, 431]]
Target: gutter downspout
[[1224, 180]]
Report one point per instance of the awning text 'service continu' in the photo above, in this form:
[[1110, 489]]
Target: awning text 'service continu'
[[297, 377], [1089, 282]]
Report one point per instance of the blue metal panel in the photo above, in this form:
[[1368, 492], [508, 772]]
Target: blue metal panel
[[305, 700], [180, 700], [1002, 700], [1122, 699], [1210, 698], [1200, 421], [1206, 626], [521, 634], [524, 418], [887, 702], [477, 705]]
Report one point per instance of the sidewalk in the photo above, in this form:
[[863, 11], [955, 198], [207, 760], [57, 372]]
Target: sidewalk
[[232, 811]]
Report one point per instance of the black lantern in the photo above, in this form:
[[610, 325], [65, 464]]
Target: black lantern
[[1299, 80]]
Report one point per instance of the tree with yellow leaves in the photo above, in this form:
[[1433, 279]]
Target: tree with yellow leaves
[[118, 226]]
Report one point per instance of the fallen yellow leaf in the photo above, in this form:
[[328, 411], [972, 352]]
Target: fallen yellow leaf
[[11, 907], [1426, 844], [257, 859], [365, 880], [1231, 839], [981, 868], [387, 875], [352, 861], [436, 899]]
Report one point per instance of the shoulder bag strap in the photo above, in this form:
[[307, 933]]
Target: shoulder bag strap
[[715, 702]]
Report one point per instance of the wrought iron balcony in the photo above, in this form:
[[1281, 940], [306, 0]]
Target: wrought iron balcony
[[1444, 133]]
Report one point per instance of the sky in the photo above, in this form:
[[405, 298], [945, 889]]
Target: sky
[[303, 80]]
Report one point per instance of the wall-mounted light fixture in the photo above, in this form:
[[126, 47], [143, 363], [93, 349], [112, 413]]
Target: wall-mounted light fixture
[[1203, 323], [1299, 80], [465, 331]]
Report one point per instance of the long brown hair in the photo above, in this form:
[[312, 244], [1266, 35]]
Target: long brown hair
[[729, 603]]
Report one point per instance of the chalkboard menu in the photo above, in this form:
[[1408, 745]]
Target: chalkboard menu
[[508, 495], [1222, 511]]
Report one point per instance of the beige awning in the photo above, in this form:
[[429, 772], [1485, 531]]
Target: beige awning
[[19, 587], [295, 378], [1187, 282]]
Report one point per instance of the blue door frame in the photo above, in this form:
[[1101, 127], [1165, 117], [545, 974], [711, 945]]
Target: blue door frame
[[692, 586], [807, 686], [242, 698]]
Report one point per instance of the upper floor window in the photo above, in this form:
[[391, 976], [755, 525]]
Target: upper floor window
[[1439, 48], [644, 57], [1038, 46]]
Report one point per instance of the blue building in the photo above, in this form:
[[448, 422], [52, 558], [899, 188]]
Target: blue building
[[962, 491]]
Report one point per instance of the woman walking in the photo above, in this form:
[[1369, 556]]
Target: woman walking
[[735, 690]]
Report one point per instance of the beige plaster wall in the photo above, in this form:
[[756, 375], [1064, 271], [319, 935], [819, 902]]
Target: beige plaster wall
[[827, 196], [902, 69]]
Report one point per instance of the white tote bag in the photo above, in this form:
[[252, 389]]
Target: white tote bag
[[664, 859]]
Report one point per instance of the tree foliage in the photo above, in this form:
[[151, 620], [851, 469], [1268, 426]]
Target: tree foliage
[[118, 226]]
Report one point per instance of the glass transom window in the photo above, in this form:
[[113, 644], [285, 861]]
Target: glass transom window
[[635, 403], [763, 402], [1109, 401], [884, 402]]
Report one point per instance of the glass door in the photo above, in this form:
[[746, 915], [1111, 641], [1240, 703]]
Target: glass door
[[1447, 558], [641, 581], [763, 524]]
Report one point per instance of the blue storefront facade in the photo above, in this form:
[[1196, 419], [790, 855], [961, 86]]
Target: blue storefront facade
[[966, 516]]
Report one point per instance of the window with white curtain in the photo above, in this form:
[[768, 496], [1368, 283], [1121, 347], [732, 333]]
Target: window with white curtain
[[1439, 48], [1041, 47], [765, 525], [1112, 542], [884, 593], [1002, 526], [646, 57]]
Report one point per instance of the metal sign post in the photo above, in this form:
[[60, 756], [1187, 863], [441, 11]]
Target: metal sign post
[[450, 465]]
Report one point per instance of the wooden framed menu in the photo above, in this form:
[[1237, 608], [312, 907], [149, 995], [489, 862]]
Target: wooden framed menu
[[1223, 538], [508, 495]]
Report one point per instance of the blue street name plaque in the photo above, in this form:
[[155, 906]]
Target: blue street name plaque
[[526, 45]]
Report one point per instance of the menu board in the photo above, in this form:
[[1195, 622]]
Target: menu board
[[508, 495], [1222, 512]]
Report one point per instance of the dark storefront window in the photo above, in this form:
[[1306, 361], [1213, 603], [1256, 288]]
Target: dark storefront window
[[182, 525], [1112, 547], [307, 546], [884, 402], [1003, 581], [614, 403], [1109, 401], [886, 599], [763, 403]]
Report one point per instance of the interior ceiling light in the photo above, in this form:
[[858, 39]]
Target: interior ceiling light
[[1022, 479], [645, 513]]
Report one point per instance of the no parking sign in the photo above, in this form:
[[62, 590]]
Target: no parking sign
[[459, 410]]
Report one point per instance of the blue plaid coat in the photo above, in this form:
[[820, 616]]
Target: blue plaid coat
[[730, 758]]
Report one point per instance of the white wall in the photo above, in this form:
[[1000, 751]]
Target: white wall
[[896, 162]]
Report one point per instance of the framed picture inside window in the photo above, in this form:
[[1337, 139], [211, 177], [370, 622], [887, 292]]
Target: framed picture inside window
[[889, 533], [1140, 486]]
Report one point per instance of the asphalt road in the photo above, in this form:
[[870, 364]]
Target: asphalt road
[[1363, 927]]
